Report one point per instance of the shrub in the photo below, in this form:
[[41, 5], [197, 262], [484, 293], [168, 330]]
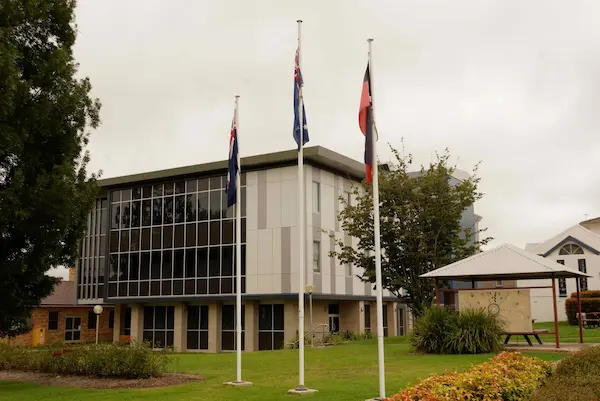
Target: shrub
[[586, 294], [104, 360], [587, 305], [446, 331], [576, 378], [506, 377]]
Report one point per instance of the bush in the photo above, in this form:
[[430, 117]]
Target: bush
[[586, 294], [104, 360], [506, 377], [587, 305], [576, 378], [446, 331]]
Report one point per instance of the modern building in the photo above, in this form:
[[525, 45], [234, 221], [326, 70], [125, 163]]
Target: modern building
[[160, 247], [59, 319], [578, 247]]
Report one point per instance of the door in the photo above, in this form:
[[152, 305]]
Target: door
[[333, 311]]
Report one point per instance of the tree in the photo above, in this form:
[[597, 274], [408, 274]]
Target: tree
[[420, 227], [45, 116]]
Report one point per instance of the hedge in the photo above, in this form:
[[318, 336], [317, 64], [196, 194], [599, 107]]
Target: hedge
[[586, 294], [103, 360], [506, 377], [575, 378], [587, 305]]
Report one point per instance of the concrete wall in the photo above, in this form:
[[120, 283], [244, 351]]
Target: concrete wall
[[272, 260]]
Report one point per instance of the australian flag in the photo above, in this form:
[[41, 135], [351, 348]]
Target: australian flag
[[233, 166], [298, 84]]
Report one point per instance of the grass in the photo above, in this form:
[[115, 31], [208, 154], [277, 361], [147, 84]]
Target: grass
[[344, 372], [568, 334]]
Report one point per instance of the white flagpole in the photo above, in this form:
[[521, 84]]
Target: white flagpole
[[238, 255], [301, 219], [238, 248], [377, 241]]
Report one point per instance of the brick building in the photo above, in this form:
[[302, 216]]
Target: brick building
[[60, 319]]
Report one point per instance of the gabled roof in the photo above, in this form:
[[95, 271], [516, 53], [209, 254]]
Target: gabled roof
[[63, 295], [575, 234], [506, 262]]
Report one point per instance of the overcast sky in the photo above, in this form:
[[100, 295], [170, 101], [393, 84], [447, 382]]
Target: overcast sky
[[513, 84]]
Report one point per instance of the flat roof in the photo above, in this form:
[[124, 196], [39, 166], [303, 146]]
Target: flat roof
[[317, 156]]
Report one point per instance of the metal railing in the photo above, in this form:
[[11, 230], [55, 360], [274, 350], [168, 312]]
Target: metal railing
[[321, 330]]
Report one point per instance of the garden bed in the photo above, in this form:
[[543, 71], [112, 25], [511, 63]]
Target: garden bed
[[45, 379]]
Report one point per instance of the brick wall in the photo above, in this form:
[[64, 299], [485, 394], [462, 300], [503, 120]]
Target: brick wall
[[39, 319]]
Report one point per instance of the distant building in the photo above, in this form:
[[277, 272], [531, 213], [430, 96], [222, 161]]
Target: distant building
[[577, 247], [59, 319], [160, 246]]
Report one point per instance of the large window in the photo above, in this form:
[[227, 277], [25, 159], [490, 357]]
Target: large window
[[583, 284], [367, 317], [174, 239], [159, 325], [91, 264], [385, 321], [197, 327], [270, 327], [73, 329], [316, 256], [228, 327]]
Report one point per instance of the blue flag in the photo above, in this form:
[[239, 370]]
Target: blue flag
[[232, 166], [298, 84]]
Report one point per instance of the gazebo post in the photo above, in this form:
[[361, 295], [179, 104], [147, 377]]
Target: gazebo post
[[437, 292], [580, 318], [556, 335]]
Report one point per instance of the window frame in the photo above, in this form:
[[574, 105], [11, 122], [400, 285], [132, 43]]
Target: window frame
[[72, 330], [316, 197], [272, 330]]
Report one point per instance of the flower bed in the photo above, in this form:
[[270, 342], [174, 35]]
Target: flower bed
[[102, 360], [506, 377]]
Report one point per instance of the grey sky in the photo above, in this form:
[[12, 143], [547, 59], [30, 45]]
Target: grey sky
[[514, 84]]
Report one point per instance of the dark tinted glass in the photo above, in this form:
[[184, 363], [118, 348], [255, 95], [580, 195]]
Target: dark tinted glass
[[167, 266], [145, 239], [203, 206], [265, 317], [179, 236], [168, 210], [157, 211], [180, 209], [146, 212], [135, 213], [278, 317], [178, 263], [202, 262], [190, 235], [190, 207], [167, 237]]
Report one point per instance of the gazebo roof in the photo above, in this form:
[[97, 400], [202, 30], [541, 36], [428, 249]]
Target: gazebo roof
[[505, 262]]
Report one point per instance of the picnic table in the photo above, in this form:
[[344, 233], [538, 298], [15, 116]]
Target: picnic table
[[526, 334], [590, 319]]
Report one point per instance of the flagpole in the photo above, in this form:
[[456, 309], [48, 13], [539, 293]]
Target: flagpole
[[378, 281], [238, 254], [301, 221]]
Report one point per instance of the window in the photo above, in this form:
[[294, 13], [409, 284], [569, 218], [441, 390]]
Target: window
[[348, 269], [91, 320], [169, 227], [562, 287], [197, 327], [159, 325], [52, 320], [73, 329], [111, 319], [348, 198], [316, 256], [499, 283], [571, 249], [583, 284], [367, 317], [228, 327], [270, 327], [385, 321], [316, 195], [93, 245], [333, 310], [126, 326]]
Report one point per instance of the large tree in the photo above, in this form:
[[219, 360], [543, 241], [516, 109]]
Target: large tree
[[420, 226], [45, 116]]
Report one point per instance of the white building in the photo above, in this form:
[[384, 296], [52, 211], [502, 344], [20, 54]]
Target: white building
[[578, 247]]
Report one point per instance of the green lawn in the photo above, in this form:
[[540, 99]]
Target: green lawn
[[569, 334], [344, 372]]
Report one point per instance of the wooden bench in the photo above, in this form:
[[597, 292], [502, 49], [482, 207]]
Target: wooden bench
[[526, 334], [590, 320]]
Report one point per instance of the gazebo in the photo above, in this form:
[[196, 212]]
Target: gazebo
[[508, 262]]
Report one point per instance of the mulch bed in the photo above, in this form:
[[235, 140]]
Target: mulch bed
[[168, 379]]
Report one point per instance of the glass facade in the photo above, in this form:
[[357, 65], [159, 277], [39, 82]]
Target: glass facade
[[91, 264], [173, 239]]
